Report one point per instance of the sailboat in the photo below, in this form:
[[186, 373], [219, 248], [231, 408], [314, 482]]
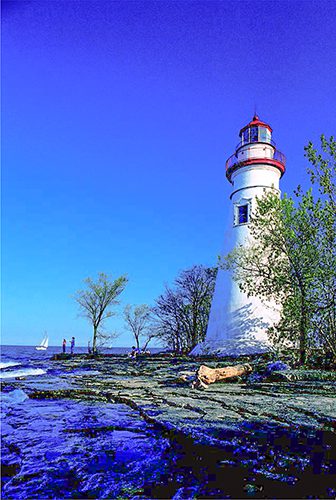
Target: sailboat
[[44, 344]]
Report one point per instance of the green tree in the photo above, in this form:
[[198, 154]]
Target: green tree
[[96, 300], [138, 321], [290, 258], [322, 171]]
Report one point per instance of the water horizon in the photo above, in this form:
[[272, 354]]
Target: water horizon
[[59, 346]]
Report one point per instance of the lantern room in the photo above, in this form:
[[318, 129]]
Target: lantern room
[[256, 149], [256, 131]]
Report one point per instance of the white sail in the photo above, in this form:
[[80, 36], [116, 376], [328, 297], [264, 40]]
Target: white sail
[[44, 344]]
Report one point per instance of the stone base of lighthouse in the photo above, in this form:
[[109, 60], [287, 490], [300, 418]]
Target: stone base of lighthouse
[[237, 324]]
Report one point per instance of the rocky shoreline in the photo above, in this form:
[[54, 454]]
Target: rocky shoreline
[[268, 438]]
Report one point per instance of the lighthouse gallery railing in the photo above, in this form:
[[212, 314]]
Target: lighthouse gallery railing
[[233, 160]]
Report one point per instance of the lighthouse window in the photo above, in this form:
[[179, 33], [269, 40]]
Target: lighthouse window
[[243, 214], [246, 136], [268, 135], [262, 134], [254, 134]]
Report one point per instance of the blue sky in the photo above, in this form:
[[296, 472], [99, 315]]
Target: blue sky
[[117, 121]]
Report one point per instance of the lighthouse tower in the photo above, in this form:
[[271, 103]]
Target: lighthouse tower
[[238, 324]]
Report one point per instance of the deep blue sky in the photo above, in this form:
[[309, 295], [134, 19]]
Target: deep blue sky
[[117, 121]]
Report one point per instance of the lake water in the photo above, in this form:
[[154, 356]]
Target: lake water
[[22, 361]]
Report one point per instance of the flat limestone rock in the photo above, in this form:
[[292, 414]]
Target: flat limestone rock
[[267, 429], [153, 392]]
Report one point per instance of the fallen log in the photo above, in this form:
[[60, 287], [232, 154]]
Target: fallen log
[[206, 376]]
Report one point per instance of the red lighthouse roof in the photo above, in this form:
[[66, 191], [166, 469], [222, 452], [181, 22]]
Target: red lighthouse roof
[[255, 122]]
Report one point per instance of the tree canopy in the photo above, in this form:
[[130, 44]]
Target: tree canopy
[[138, 321], [97, 299], [182, 311]]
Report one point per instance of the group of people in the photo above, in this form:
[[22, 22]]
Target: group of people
[[72, 345], [135, 352]]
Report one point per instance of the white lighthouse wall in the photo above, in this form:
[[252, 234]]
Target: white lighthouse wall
[[238, 324], [256, 176]]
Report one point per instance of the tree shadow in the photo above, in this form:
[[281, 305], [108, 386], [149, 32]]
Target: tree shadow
[[243, 332]]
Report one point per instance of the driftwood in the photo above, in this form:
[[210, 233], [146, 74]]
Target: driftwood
[[206, 375]]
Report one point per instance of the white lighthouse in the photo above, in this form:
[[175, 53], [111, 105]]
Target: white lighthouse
[[238, 324]]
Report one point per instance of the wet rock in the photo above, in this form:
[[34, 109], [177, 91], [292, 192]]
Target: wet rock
[[276, 366], [10, 461], [80, 453]]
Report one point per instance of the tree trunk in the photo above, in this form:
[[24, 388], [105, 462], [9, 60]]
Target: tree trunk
[[144, 348], [206, 376], [194, 329], [177, 343], [303, 351], [94, 341], [303, 332]]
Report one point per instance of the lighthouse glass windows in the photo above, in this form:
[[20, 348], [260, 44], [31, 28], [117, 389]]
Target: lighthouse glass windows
[[246, 136], [264, 134], [254, 134]]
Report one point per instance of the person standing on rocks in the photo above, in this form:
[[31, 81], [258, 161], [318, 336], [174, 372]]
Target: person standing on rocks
[[133, 354], [72, 345], [64, 345]]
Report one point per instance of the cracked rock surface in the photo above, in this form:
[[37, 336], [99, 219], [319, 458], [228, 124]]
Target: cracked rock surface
[[115, 427]]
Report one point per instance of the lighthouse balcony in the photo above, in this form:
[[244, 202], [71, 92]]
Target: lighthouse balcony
[[259, 154]]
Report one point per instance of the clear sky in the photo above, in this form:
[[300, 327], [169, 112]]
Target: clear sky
[[117, 121]]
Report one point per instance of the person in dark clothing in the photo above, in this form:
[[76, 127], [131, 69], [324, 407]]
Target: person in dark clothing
[[72, 345], [64, 345], [134, 352]]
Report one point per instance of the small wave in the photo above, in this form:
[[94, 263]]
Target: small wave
[[23, 373], [7, 364]]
